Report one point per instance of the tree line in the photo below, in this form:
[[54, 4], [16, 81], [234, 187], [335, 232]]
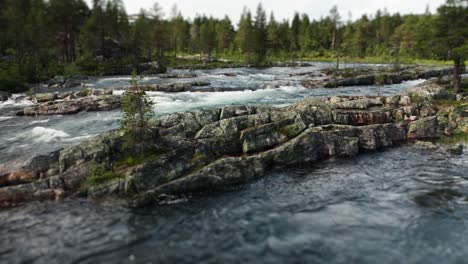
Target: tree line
[[40, 39]]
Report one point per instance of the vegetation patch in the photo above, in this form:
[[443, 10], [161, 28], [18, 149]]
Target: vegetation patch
[[83, 93], [289, 131], [129, 161], [458, 137], [99, 175], [449, 103]]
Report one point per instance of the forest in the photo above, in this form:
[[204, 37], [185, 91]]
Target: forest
[[40, 39]]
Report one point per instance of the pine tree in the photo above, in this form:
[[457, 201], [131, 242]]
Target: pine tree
[[452, 35], [224, 34], [158, 35], [138, 112], [273, 37], [260, 35], [67, 17], [207, 38], [246, 36], [304, 34], [295, 28]]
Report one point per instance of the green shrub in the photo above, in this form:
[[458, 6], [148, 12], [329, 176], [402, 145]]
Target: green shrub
[[99, 174]]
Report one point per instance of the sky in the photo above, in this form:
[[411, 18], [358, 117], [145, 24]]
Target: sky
[[284, 9]]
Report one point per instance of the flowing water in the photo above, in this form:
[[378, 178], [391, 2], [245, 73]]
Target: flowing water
[[402, 205], [24, 137]]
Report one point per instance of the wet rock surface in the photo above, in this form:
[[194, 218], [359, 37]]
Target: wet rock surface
[[4, 96], [72, 106], [174, 87], [371, 76], [207, 150]]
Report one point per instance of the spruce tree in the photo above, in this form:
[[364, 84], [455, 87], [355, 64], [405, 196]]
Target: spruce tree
[[137, 109]]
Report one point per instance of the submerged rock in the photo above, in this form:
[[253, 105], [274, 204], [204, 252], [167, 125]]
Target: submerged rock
[[69, 82], [177, 75], [455, 149], [4, 96], [426, 145]]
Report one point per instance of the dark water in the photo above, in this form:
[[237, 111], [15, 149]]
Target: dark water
[[403, 205]]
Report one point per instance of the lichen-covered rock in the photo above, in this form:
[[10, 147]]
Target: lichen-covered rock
[[45, 97], [426, 145], [429, 91], [454, 119], [259, 138], [376, 137], [369, 76], [173, 87], [426, 128], [66, 107], [337, 99], [392, 100], [405, 100], [359, 104], [236, 110], [165, 168], [359, 117], [354, 81]]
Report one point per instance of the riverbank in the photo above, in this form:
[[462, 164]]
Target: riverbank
[[75, 77], [378, 60]]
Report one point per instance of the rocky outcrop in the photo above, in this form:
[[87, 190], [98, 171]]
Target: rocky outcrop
[[208, 150], [66, 103], [69, 82], [67, 107], [453, 119], [174, 87], [428, 91], [385, 76], [177, 75]]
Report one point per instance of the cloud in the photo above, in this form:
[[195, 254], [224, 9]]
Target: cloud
[[284, 9]]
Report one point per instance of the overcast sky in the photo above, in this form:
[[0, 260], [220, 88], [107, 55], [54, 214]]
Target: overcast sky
[[285, 8]]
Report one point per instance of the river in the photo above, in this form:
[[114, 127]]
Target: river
[[24, 137], [402, 205]]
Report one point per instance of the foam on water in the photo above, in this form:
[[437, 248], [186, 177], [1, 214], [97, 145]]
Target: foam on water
[[176, 102], [43, 134], [16, 100], [40, 121], [21, 137], [284, 95], [5, 118]]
